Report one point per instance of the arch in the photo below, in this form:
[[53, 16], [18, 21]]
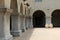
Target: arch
[[21, 8], [56, 18], [38, 18]]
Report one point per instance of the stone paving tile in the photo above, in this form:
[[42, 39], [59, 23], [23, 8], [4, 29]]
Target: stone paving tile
[[24, 35], [41, 34]]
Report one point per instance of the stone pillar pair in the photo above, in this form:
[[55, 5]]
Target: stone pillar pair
[[15, 25], [18, 25], [48, 21], [5, 24]]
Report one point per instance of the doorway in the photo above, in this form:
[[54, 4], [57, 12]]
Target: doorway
[[38, 19], [56, 18]]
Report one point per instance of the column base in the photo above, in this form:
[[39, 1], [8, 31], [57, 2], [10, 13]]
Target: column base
[[49, 25], [26, 28], [7, 38], [16, 33], [23, 30]]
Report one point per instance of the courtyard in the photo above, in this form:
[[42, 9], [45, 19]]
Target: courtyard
[[40, 34], [29, 19]]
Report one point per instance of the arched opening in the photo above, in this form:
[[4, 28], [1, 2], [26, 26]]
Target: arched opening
[[56, 18], [21, 9], [38, 19]]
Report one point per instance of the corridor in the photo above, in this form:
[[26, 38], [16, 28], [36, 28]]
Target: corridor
[[41, 34]]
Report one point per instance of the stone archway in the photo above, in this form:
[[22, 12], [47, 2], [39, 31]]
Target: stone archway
[[38, 19], [56, 18]]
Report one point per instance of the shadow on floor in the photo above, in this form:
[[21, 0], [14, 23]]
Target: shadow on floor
[[27, 35]]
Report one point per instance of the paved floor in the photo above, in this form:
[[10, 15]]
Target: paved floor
[[41, 34]]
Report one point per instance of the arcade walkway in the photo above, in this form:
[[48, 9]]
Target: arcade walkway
[[41, 34]]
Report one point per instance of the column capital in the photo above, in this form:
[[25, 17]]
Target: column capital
[[6, 11]]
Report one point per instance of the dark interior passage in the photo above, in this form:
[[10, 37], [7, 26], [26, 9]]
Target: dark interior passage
[[56, 18], [39, 19]]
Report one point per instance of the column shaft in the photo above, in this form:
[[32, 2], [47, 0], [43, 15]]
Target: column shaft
[[5, 24], [16, 31], [22, 24]]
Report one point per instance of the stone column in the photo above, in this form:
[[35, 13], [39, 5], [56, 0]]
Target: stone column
[[5, 24], [31, 22], [26, 23], [19, 22], [48, 21], [22, 23], [16, 31]]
